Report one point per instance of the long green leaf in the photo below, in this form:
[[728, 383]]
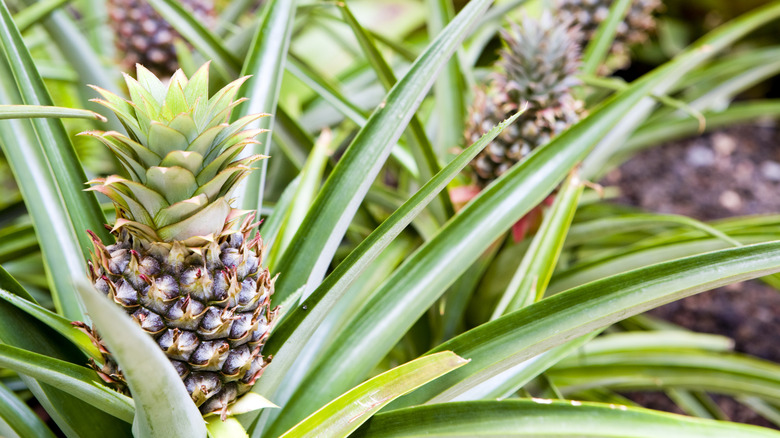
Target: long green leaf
[[330, 94], [728, 66], [671, 103], [456, 300], [310, 179], [272, 225], [163, 408], [390, 199], [291, 336], [416, 285], [696, 53], [532, 276], [766, 410], [670, 341], [351, 301], [100, 37], [193, 30], [641, 254], [325, 90], [343, 415], [449, 88], [76, 380], [653, 133], [584, 232], [232, 12], [56, 322], [17, 241], [638, 369], [290, 137], [265, 62], [30, 15], [33, 111], [76, 50], [657, 340], [548, 418], [19, 417], [63, 211], [77, 419], [598, 47], [523, 334], [724, 73], [728, 89], [509, 382], [422, 149], [696, 404], [311, 250]]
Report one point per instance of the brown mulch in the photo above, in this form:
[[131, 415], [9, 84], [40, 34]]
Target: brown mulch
[[728, 173]]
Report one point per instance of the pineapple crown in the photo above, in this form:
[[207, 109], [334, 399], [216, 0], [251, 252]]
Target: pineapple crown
[[538, 61], [181, 156]]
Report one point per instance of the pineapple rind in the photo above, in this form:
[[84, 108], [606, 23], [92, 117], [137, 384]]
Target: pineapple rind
[[208, 307]]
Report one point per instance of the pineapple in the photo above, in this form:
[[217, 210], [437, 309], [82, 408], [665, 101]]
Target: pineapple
[[537, 66], [184, 264], [144, 37], [635, 28]]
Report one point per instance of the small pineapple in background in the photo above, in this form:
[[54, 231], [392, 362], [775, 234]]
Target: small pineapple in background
[[142, 36], [535, 72], [536, 68], [184, 264], [636, 27]]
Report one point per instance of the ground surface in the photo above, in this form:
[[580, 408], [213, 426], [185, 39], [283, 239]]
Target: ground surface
[[728, 173]]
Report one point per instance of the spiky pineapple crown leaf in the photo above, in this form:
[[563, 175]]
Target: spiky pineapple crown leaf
[[538, 61], [181, 156]]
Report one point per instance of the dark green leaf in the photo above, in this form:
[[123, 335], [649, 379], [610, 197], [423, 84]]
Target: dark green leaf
[[548, 418], [311, 250], [48, 171], [343, 415], [76, 380], [76, 418], [265, 62], [518, 336]]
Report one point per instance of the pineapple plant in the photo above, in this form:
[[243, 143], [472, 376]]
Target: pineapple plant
[[535, 74], [537, 68], [636, 27], [185, 265], [367, 295], [142, 36]]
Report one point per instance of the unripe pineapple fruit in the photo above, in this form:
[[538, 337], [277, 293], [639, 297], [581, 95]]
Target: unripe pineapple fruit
[[143, 37], [184, 264], [536, 68], [635, 28]]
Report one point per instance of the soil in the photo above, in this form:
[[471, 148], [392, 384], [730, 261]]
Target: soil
[[728, 173]]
